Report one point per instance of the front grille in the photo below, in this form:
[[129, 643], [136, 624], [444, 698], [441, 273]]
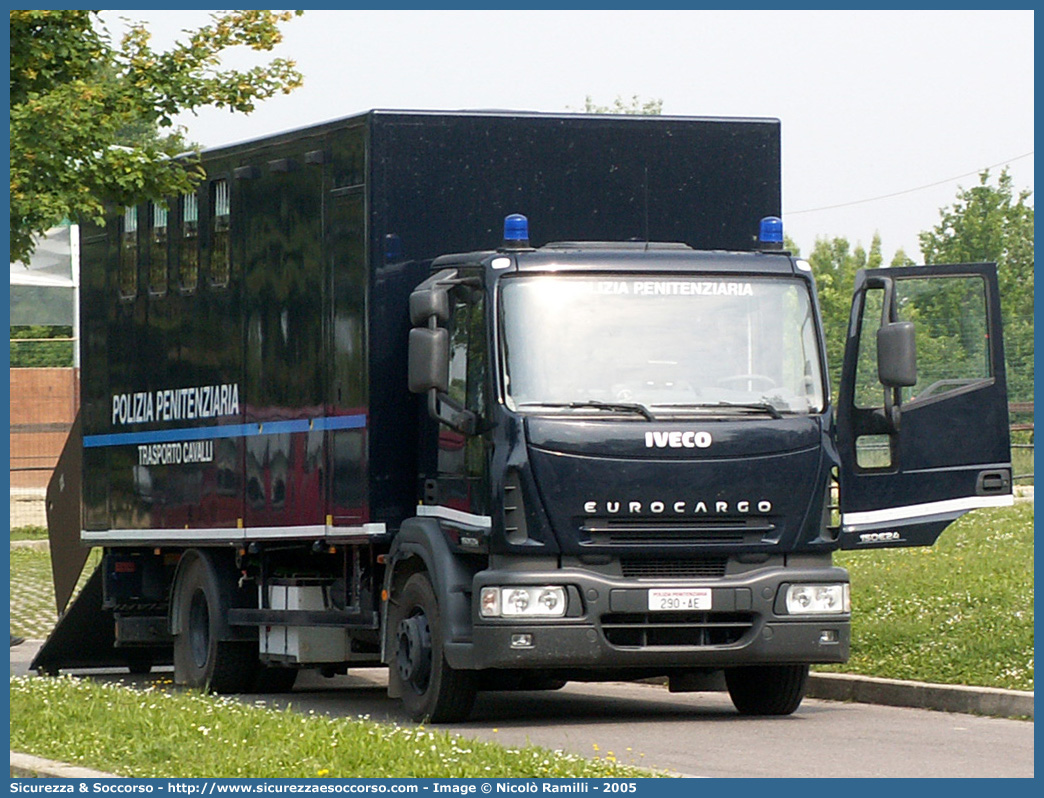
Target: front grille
[[676, 531], [675, 629], [674, 568]]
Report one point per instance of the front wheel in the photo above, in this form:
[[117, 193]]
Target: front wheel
[[431, 690], [767, 689]]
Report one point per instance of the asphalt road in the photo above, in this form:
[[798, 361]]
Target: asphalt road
[[698, 734]]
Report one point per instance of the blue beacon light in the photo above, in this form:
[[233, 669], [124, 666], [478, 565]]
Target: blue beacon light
[[516, 231], [771, 232]]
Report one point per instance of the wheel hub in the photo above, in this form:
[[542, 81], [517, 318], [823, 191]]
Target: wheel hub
[[413, 659]]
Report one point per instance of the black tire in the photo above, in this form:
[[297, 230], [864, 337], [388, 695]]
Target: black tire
[[201, 660], [431, 690], [274, 680], [767, 689]]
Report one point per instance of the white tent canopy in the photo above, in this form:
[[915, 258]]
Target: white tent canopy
[[51, 263], [46, 291], [38, 279]]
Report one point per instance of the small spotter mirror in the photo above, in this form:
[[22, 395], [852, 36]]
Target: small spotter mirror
[[426, 303]]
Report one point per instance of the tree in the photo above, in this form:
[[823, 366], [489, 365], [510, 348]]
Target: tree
[[42, 346], [834, 264], [992, 223], [635, 107], [77, 99]]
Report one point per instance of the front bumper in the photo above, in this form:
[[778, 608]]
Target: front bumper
[[609, 625]]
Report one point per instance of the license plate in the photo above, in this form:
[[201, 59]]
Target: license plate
[[668, 600]]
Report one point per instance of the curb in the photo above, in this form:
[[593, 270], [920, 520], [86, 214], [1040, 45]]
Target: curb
[[990, 701], [24, 765]]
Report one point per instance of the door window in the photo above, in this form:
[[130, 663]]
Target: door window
[[460, 454], [950, 323], [952, 335]]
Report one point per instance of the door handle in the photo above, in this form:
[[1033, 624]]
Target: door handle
[[990, 482]]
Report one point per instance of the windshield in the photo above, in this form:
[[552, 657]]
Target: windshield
[[633, 344]]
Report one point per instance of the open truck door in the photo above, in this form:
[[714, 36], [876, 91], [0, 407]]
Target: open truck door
[[923, 407]]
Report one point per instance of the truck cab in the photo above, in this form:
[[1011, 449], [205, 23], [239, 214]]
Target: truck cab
[[637, 469]]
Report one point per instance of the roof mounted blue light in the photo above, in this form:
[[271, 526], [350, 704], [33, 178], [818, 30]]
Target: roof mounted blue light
[[771, 233], [516, 231], [772, 230]]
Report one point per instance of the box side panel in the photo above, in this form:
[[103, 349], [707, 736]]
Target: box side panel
[[284, 317], [444, 184]]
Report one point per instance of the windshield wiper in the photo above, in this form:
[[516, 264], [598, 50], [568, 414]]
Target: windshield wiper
[[755, 407], [629, 407]]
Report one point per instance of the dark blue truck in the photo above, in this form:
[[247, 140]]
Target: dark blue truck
[[604, 448]]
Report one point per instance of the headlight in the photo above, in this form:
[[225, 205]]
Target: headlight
[[522, 602], [818, 599]]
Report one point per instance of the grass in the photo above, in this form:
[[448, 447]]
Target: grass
[[1022, 457], [960, 612], [154, 733], [33, 613], [29, 533]]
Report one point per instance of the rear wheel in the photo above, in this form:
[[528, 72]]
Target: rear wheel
[[767, 689], [201, 660], [431, 689]]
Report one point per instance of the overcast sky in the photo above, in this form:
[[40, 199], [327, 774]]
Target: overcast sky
[[872, 103]]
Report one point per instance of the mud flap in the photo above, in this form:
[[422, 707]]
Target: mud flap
[[68, 556]]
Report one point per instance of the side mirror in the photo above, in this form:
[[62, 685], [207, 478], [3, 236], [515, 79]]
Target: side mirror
[[897, 354], [428, 359]]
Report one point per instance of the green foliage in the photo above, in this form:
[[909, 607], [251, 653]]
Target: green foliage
[[33, 611], [30, 532], [37, 352], [986, 223], [992, 223], [959, 612], [1022, 451], [901, 259], [834, 264], [633, 107], [154, 733], [77, 100]]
